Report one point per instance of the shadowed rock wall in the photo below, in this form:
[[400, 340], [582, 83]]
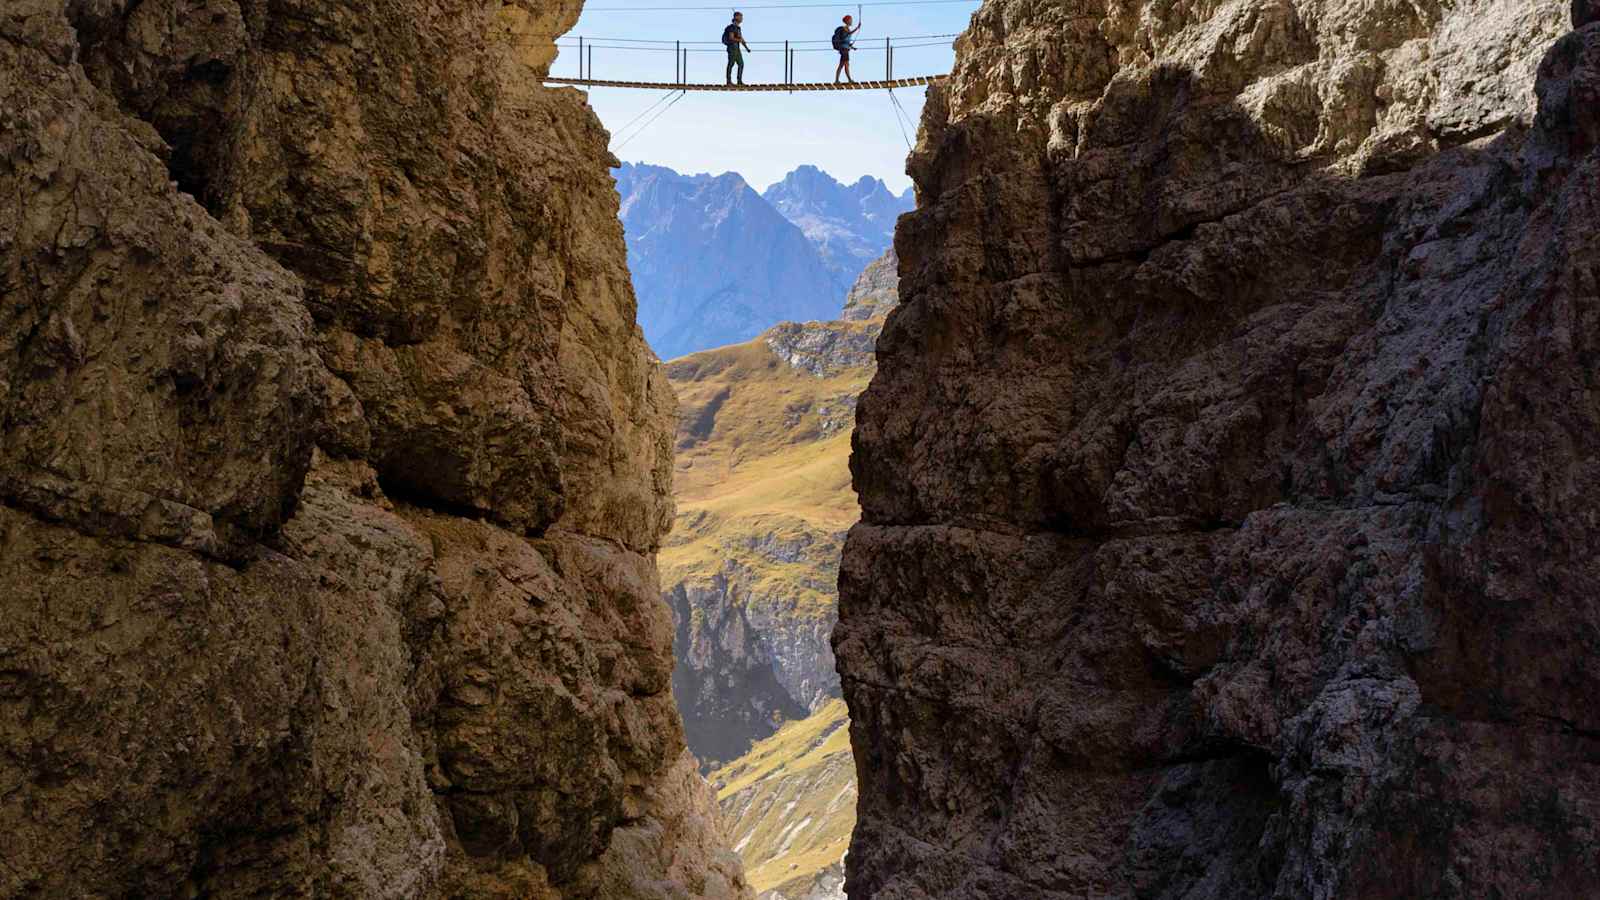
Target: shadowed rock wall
[[333, 466], [1228, 475]]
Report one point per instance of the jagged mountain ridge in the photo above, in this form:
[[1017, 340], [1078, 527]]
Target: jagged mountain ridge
[[1227, 476], [763, 496], [851, 225], [713, 263]]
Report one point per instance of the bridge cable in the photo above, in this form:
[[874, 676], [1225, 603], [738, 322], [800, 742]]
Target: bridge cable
[[753, 51], [725, 6], [900, 118], [626, 40], [646, 125], [660, 100]]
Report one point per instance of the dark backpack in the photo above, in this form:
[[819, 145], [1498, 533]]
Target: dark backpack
[[841, 38], [727, 35]]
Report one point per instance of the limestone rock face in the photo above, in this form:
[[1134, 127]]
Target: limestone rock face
[[875, 292], [333, 466], [727, 686], [1228, 472]]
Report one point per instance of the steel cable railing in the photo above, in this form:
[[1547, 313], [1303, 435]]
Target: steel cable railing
[[584, 49]]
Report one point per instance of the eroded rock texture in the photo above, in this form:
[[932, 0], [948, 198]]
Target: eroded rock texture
[[333, 466], [1228, 477]]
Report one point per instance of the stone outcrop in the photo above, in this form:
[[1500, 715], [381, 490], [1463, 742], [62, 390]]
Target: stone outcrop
[[725, 680], [1228, 476], [333, 466], [876, 290]]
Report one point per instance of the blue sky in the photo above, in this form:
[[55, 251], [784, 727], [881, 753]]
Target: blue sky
[[762, 136]]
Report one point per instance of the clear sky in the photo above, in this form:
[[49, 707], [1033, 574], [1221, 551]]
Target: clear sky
[[762, 136]]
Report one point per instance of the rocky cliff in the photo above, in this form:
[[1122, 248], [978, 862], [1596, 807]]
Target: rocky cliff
[[876, 291], [1228, 477], [333, 466]]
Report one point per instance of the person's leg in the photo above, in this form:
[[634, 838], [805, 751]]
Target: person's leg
[[847, 76], [739, 55], [732, 55], [837, 69]]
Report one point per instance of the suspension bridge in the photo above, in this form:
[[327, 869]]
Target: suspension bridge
[[629, 53], [789, 52], [790, 86], [627, 62]]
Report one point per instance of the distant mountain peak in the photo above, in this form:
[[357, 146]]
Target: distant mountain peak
[[714, 263], [852, 224]]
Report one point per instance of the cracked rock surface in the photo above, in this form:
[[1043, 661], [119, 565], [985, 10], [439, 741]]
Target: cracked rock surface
[[1228, 474], [333, 466]]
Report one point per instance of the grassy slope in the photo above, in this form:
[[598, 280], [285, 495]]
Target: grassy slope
[[764, 449], [771, 465], [789, 804], [761, 451]]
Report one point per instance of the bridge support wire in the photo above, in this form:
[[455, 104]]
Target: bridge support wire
[[645, 112], [901, 118], [676, 96]]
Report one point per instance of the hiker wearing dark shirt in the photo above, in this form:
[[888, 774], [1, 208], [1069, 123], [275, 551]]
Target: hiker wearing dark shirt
[[844, 41], [733, 38]]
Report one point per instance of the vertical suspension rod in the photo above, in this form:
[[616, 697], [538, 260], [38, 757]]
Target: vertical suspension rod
[[580, 57]]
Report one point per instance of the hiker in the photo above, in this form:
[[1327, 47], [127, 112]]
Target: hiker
[[732, 38], [844, 41]]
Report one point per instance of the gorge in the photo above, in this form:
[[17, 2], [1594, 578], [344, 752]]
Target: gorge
[[1226, 469]]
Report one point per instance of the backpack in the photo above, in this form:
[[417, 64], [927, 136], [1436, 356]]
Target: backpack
[[727, 35], [841, 38]]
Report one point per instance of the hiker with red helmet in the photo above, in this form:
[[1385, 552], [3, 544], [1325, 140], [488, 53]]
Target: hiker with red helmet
[[844, 41]]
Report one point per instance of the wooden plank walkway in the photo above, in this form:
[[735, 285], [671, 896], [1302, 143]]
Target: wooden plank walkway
[[777, 86]]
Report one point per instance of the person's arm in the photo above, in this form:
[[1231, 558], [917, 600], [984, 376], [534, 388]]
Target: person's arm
[[858, 26]]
